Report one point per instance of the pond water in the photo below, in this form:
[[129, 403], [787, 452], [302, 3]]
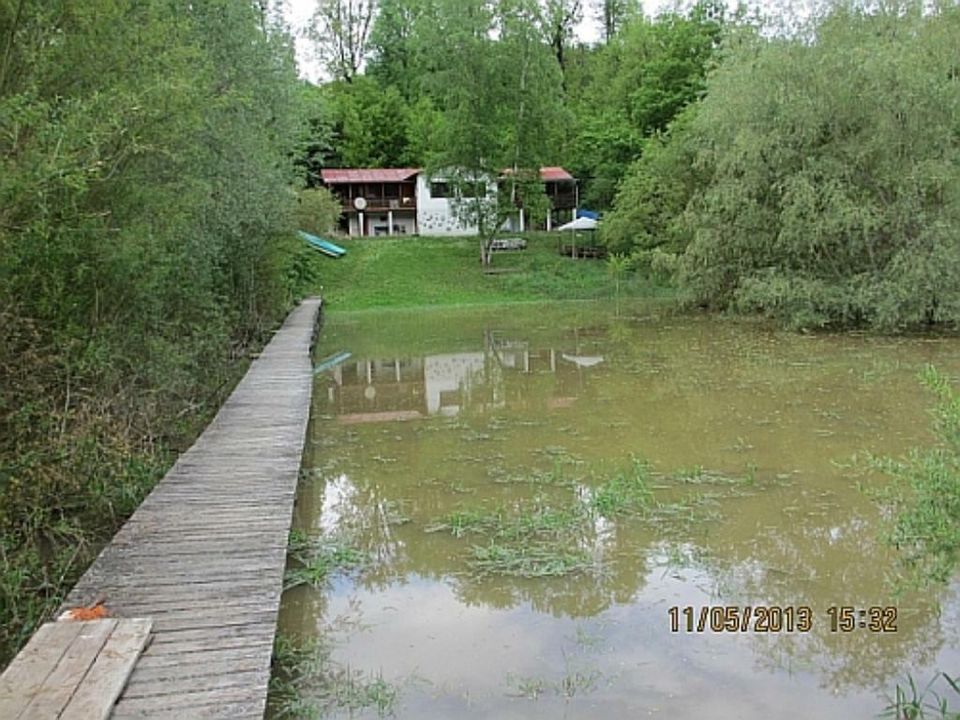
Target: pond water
[[537, 487]]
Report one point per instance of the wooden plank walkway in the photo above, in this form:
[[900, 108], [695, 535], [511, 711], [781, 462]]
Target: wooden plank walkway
[[203, 557], [72, 670]]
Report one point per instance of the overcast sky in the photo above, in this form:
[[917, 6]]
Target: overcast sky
[[299, 11]]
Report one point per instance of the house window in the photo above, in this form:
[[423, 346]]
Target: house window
[[439, 189]]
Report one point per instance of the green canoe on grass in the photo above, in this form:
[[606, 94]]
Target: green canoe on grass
[[324, 246]]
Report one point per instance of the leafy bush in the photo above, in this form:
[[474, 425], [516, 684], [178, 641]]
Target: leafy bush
[[318, 211]]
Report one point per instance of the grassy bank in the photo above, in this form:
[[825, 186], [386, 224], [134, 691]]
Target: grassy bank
[[411, 271]]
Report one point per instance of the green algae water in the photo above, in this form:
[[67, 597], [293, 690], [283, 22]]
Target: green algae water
[[566, 511]]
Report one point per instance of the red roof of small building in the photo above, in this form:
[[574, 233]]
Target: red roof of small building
[[554, 174], [347, 176]]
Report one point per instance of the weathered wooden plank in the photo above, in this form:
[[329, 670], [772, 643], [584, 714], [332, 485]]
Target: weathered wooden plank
[[101, 687], [30, 669], [166, 622], [183, 691], [230, 711], [163, 676], [232, 636], [205, 656], [60, 685], [233, 706]]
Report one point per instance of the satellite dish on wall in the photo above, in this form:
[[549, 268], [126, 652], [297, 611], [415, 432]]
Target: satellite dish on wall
[[360, 203]]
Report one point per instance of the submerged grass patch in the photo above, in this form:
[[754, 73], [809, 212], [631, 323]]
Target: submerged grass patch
[[626, 492], [546, 536], [306, 683], [312, 560], [529, 561]]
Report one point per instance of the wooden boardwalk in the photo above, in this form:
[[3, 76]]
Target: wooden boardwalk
[[203, 557], [72, 670]]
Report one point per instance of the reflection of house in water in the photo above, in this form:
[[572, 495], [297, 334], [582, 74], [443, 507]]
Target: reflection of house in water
[[405, 389], [448, 380]]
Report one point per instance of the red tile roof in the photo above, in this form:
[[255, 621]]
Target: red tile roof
[[347, 176], [554, 174]]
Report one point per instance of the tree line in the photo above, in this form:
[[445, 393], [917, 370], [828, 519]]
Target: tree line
[[426, 82], [147, 167]]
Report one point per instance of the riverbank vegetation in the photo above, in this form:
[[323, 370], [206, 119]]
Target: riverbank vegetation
[[145, 250], [816, 180]]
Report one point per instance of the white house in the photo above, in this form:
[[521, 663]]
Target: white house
[[406, 201]]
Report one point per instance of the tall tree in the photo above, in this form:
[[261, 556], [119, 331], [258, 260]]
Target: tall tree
[[396, 45], [646, 75], [612, 15], [499, 95], [145, 206], [340, 32], [825, 187], [560, 19]]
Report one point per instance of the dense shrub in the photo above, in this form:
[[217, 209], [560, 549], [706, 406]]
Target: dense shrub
[[145, 244]]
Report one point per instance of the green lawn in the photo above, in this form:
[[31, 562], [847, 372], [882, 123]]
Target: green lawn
[[414, 271]]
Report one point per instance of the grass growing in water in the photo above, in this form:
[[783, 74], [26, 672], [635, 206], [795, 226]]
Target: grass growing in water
[[313, 559], [306, 683], [913, 703], [529, 561], [627, 492], [546, 538], [925, 494]]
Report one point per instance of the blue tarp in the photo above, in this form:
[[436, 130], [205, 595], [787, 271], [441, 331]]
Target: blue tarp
[[593, 215]]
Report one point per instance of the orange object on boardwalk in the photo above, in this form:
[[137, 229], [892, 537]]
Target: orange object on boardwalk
[[92, 612]]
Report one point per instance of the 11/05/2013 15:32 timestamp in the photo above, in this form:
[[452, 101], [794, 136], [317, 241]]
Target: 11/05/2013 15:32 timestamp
[[779, 618]]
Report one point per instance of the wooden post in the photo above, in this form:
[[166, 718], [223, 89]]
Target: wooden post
[[360, 219], [389, 222], [549, 221], [521, 219]]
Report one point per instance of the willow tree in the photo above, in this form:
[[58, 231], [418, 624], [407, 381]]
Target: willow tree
[[834, 172]]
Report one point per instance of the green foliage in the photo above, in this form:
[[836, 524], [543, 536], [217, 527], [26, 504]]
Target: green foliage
[[647, 74], [925, 496], [624, 493], [144, 216], [529, 561], [648, 209], [314, 560], [825, 174], [369, 124], [318, 211]]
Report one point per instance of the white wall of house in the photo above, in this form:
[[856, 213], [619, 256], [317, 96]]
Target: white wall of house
[[378, 223], [436, 216]]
